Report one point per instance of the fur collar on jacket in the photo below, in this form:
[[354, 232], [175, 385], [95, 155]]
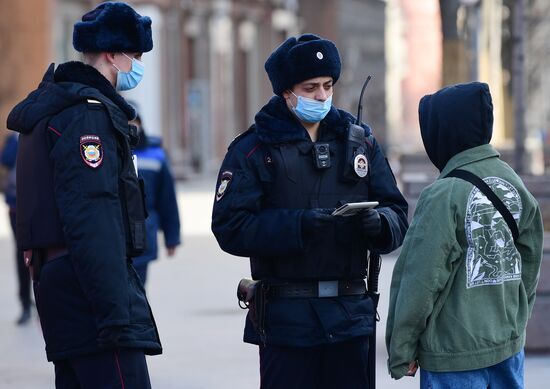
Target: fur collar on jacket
[[81, 73], [276, 124]]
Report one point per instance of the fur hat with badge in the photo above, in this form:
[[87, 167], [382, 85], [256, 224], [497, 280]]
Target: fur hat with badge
[[113, 27], [296, 60]]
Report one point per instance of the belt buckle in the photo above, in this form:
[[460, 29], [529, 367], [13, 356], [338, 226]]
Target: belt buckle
[[328, 288]]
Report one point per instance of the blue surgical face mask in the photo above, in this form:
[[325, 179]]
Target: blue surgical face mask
[[129, 80], [310, 110]]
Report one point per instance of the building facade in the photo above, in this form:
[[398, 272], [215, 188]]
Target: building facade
[[205, 80]]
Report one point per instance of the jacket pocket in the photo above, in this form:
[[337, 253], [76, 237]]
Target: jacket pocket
[[347, 317]]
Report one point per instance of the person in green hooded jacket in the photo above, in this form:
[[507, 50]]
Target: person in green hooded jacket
[[462, 289]]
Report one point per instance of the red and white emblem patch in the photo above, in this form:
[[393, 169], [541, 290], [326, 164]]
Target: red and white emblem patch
[[91, 151]]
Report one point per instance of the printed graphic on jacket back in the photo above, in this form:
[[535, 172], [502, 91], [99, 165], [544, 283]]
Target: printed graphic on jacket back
[[492, 257]]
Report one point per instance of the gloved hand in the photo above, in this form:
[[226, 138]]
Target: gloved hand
[[372, 225], [314, 220], [108, 336]]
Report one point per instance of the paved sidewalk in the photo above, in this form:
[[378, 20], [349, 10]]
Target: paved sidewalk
[[193, 298]]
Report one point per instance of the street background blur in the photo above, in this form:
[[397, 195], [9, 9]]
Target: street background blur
[[203, 83]]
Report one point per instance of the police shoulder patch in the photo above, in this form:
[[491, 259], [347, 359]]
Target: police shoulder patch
[[225, 180], [91, 150]]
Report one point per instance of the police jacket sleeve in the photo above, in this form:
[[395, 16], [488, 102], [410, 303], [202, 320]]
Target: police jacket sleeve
[[392, 207], [240, 223], [168, 207], [87, 197]]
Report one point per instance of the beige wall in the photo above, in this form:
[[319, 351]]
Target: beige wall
[[25, 44]]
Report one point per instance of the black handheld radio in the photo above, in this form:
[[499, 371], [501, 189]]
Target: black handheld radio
[[356, 142]]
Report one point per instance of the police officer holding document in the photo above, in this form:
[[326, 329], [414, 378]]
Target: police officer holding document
[[80, 209], [276, 193]]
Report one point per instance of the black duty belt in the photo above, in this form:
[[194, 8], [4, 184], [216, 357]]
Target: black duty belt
[[35, 259], [318, 289], [48, 254]]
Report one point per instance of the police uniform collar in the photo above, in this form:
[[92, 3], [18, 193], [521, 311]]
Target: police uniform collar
[[276, 124], [118, 117], [81, 73], [304, 147]]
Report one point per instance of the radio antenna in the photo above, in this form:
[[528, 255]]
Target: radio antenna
[[360, 106]]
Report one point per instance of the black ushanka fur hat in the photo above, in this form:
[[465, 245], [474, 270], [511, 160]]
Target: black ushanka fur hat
[[113, 27], [296, 60]]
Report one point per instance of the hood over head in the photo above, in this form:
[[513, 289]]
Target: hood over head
[[455, 119]]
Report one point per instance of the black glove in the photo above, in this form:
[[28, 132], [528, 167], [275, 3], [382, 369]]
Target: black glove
[[108, 336], [314, 220], [372, 225]]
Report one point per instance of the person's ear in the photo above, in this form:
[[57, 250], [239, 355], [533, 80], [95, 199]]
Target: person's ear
[[286, 94], [110, 57]]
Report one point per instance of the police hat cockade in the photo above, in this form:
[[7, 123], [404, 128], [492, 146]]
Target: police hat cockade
[[113, 27], [302, 58]]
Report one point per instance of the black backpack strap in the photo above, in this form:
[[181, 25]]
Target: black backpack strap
[[484, 188]]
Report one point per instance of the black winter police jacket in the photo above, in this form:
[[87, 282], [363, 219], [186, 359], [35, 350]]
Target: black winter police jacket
[[77, 188], [267, 180]]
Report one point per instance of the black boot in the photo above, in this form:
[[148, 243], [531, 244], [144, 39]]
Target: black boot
[[25, 316]]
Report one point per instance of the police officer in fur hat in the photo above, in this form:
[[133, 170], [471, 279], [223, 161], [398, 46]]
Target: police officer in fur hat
[[277, 188], [80, 211]]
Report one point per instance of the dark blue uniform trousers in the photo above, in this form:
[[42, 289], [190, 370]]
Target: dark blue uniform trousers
[[23, 276], [333, 366], [120, 369]]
